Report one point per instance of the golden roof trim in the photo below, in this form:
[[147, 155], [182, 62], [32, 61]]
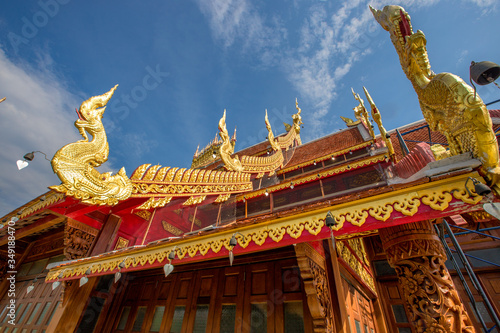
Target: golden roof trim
[[35, 205], [325, 157], [436, 195]]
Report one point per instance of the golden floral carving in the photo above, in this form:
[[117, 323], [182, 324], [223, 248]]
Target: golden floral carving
[[314, 226], [357, 217], [260, 238], [436, 200], [186, 182], [216, 246], [194, 200], [243, 241], [148, 190], [407, 206], [203, 248], [155, 203], [160, 175], [295, 230], [381, 213], [181, 252], [222, 198], [357, 234], [277, 234], [463, 195]]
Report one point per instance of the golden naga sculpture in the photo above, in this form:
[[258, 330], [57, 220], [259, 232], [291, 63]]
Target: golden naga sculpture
[[293, 130], [227, 148], [378, 119], [361, 114], [249, 164], [270, 136], [448, 104], [349, 122], [74, 163]]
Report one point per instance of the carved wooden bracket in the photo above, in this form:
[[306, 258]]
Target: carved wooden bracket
[[78, 239], [313, 272]]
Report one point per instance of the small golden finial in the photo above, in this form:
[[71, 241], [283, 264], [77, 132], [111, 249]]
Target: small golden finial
[[234, 135], [297, 106], [378, 120]]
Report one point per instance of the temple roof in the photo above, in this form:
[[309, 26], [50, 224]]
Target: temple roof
[[347, 138]]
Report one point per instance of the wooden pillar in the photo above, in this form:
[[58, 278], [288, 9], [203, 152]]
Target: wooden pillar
[[313, 272], [417, 255], [75, 298], [337, 290]]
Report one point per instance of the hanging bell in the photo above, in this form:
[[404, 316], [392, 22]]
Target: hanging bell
[[484, 72], [118, 275], [30, 288], [330, 220], [168, 268], [83, 280], [481, 189]]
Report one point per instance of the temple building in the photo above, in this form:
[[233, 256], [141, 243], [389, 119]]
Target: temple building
[[364, 230]]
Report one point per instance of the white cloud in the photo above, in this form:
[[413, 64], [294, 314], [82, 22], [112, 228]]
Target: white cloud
[[329, 48], [38, 114], [233, 21], [330, 43]]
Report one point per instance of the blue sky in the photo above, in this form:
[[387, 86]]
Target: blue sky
[[180, 63]]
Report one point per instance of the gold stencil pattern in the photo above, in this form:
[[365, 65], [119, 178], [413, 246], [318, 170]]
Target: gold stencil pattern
[[121, 243]]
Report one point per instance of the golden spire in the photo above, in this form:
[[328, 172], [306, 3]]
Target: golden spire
[[233, 139], [297, 121], [227, 148], [378, 119], [361, 113]]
